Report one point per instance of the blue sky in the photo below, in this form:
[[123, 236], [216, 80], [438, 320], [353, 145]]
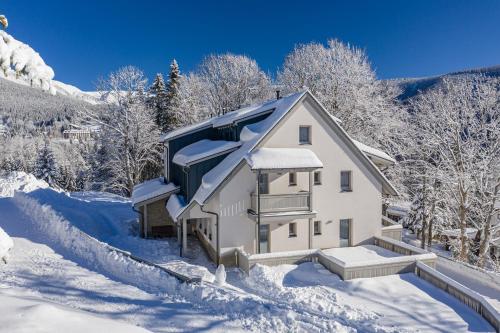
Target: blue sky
[[83, 40]]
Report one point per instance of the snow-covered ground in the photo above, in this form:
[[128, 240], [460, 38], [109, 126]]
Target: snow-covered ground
[[60, 263], [360, 253]]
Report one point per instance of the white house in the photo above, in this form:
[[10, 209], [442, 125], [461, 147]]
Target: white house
[[279, 176]]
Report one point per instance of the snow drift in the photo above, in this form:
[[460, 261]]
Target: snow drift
[[6, 244], [20, 181]]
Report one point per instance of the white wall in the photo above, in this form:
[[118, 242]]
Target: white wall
[[363, 205]]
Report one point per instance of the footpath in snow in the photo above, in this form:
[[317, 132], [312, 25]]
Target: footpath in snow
[[60, 258]]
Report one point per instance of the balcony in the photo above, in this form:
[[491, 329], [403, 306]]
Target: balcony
[[277, 203]]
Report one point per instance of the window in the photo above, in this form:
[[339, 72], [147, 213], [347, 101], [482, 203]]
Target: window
[[292, 179], [317, 227], [345, 232], [345, 181], [264, 183], [292, 230], [305, 135], [317, 177], [205, 230], [210, 236]]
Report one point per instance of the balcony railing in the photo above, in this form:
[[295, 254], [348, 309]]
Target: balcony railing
[[282, 202]]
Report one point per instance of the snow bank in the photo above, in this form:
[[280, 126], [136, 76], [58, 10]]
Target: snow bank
[[87, 250], [6, 244], [26, 314], [18, 59], [19, 181]]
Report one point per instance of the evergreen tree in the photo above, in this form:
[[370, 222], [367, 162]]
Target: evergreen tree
[[174, 113], [158, 100], [46, 167]]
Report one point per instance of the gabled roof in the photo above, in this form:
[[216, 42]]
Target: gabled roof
[[202, 150], [253, 134]]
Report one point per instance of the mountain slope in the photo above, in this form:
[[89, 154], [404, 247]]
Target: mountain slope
[[411, 86]]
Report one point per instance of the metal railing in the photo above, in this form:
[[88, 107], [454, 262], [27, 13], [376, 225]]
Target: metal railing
[[300, 201]]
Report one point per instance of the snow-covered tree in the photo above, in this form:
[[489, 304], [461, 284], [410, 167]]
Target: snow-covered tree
[[459, 123], [129, 133], [342, 79], [158, 101], [175, 115], [232, 81], [45, 167]]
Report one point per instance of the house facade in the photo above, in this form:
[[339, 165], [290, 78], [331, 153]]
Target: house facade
[[280, 176]]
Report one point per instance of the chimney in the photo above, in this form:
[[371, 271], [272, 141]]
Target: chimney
[[278, 94]]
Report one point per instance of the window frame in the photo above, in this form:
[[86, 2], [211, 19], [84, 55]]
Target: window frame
[[342, 189], [292, 229], [292, 178], [349, 236], [309, 135], [319, 232], [319, 178]]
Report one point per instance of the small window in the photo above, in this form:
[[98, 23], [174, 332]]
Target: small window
[[317, 227], [292, 179], [292, 230], [304, 135], [210, 236], [205, 231], [317, 178], [345, 181]]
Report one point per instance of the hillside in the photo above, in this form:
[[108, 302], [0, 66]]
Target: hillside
[[411, 86]]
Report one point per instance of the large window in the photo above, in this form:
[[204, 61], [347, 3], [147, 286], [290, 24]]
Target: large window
[[345, 232], [317, 227], [292, 179], [345, 181], [305, 135], [292, 230], [317, 177], [264, 183]]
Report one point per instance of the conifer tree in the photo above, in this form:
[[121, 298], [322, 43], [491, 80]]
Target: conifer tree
[[46, 167], [158, 100], [174, 113]]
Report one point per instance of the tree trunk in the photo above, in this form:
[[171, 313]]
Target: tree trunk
[[486, 233], [462, 223], [424, 215], [431, 221]]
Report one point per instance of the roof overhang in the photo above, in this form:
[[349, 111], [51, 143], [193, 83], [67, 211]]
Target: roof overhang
[[283, 159]]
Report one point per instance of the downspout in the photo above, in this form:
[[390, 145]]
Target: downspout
[[217, 232], [258, 212]]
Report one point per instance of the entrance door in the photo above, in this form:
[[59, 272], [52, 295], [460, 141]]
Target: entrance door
[[264, 238], [345, 232]]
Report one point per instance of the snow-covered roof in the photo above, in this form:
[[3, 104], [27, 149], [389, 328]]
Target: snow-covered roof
[[226, 119], [283, 158], [151, 189], [203, 149], [175, 204], [374, 152]]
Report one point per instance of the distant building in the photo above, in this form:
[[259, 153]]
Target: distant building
[[81, 132]]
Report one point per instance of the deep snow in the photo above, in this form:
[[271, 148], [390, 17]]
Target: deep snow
[[6, 244], [54, 260]]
